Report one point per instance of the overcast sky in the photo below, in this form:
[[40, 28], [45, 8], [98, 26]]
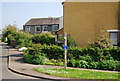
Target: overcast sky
[[19, 12]]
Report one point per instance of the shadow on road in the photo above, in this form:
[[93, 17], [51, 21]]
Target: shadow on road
[[3, 56]]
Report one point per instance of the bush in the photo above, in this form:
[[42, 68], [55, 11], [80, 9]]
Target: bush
[[109, 65], [93, 65], [28, 58], [109, 57], [96, 53], [102, 42], [71, 62], [75, 52], [81, 64], [35, 59], [3, 39], [86, 58], [115, 53], [53, 51], [21, 38], [44, 38], [70, 41], [33, 55]]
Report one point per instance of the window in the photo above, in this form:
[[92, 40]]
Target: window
[[37, 28], [44, 28], [27, 28], [114, 38], [54, 27]]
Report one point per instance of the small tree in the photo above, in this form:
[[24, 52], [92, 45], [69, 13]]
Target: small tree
[[9, 32], [21, 38], [102, 42]]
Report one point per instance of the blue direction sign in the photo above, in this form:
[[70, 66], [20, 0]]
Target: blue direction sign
[[65, 47]]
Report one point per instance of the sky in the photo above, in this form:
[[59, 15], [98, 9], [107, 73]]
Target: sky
[[19, 12]]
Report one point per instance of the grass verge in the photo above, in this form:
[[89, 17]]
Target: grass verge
[[77, 74]]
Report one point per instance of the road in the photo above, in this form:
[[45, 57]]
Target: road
[[7, 74]]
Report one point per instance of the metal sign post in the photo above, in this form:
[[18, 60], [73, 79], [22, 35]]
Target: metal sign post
[[65, 51]]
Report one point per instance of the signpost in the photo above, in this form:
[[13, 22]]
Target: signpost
[[65, 47]]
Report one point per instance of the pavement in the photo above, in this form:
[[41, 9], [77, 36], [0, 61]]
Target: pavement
[[17, 65], [6, 74]]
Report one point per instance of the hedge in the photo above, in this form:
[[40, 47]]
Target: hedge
[[44, 38], [87, 54]]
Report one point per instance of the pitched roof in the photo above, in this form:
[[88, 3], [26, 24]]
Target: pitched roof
[[42, 21]]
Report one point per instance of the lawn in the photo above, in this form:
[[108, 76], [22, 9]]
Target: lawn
[[77, 74]]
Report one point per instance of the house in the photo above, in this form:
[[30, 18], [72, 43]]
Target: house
[[85, 19], [43, 25]]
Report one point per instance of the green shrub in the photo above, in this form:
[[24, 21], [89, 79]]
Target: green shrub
[[44, 38], [96, 53], [102, 42], [39, 59], [75, 52], [93, 65], [109, 65], [70, 41], [81, 64], [3, 39], [33, 55], [71, 62], [53, 51], [109, 57], [21, 38], [86, 58], [35, 59], [28, 58], [115, 53]]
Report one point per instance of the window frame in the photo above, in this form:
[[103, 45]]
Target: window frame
[[114, 40], [28, 28], [44, 28], [55, 25], [36, 28], [114, 31]]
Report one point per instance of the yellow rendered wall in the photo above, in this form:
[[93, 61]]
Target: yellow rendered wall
[[85, 20]]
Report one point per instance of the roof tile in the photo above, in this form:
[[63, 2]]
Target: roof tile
[[42, 21]]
